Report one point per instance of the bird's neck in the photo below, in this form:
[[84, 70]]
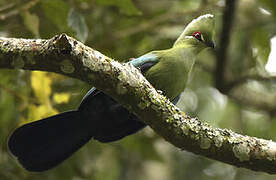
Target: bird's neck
[[191, 44]]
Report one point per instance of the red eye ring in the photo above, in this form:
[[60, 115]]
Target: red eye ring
[[197, 35]]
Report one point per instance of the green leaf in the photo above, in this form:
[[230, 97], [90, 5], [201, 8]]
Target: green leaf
[[77, 22], [126, 6], [31, 21], [57, 12], [261, 41]]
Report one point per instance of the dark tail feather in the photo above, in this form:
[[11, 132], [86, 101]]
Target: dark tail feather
[[120, 130], [113, 121], [43, 144]]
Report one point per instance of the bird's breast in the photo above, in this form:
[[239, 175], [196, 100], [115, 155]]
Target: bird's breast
[[169, 77]]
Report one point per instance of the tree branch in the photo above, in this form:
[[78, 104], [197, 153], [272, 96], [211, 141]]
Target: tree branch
[[253, 98], [221, 63], [65, 55], [239, 92], [15, 8]]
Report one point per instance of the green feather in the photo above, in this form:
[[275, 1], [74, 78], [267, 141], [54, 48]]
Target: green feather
[[171, 73], [205, 24]]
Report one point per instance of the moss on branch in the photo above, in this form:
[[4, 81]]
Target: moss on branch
[[67, 56]]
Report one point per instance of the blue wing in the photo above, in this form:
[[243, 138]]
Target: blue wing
[[145, 62]]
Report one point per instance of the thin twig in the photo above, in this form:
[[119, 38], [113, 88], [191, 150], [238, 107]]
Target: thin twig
[[17, 9]]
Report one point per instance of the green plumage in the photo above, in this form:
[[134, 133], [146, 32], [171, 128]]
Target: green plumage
[[43, 144], [171, 72], [205, 24]]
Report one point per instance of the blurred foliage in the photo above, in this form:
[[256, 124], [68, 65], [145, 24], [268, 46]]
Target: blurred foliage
[[110, 26]]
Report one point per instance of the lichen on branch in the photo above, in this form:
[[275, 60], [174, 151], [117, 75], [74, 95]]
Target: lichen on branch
[[65, 55]]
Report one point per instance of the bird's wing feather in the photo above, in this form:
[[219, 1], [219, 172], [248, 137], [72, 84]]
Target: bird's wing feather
[[114, 121], [145, 62], [92, 92]]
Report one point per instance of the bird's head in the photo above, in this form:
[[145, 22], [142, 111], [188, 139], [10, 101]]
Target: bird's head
[[199, 32]]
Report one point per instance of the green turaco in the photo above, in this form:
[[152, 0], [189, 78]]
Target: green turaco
[[45, 143]]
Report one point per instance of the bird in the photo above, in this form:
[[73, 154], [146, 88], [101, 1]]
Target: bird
[[42, 145]]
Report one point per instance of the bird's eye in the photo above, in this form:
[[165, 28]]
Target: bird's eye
[[197, 35]]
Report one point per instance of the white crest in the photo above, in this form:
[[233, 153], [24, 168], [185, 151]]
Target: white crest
[[194, 21], [204, 21]]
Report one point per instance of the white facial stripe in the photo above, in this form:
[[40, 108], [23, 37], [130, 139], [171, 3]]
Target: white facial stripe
[[189, 37]]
